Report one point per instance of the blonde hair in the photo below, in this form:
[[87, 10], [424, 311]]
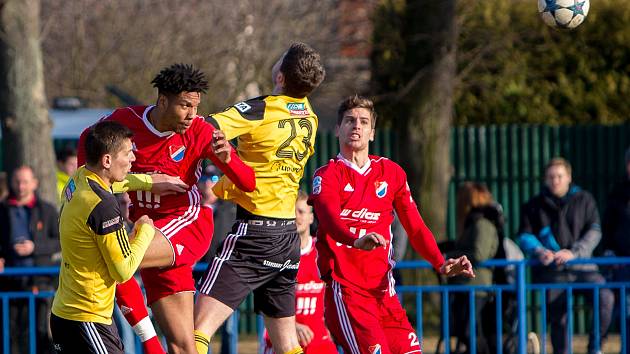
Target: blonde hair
[[559, 161], [470, 195]]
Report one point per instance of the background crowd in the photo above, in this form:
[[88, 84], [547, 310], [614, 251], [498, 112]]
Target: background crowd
[[558, 224]]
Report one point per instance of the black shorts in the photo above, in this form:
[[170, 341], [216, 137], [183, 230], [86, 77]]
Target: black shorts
[[260, 255], [84, 337]]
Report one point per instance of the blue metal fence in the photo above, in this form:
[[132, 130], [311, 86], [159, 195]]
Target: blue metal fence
[[520, 289]]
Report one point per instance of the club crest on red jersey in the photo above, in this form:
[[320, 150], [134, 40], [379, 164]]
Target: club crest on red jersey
[[317, 185], [177, 152], [374, 349], [381, 188]]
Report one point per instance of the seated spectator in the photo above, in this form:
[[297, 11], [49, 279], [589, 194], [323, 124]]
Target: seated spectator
[[28, 237], [478, 239], [557, 225], [66, 166], [616, 233]]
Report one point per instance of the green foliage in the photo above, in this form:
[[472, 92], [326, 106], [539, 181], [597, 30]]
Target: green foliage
[[516, 69], [513, 68]]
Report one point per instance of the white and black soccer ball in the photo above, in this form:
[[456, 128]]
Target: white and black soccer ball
[[566, 14]]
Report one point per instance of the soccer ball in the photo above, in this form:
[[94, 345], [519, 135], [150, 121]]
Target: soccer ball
[[563, 13]]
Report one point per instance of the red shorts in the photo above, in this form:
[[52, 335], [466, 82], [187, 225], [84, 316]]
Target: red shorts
[[189, 235], [364, 324]]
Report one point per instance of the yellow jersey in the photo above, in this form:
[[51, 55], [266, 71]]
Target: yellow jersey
[[95, 250], [276, 136]]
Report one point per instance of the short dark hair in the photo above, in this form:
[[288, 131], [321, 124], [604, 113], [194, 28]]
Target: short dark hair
[[179, 78], [356, 101], [65, 153], [302, 69], [105, 137]]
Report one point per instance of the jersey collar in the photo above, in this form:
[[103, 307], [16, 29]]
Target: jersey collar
[[93, 176], [150, 126], [307, 249], [363, 170]]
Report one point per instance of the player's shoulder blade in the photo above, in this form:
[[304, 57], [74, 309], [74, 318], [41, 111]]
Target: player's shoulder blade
[[105, 217], [252, 109]]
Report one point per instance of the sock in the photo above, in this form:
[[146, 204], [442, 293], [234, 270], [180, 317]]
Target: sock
[[131, 302], [296, 350], [202, 342]]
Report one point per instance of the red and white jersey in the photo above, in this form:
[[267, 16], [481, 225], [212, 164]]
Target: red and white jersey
[[309, 295], [351, 202], [309, 298], [168, 153]]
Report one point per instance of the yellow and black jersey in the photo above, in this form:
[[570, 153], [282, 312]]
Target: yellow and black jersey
[[276, 136], [96, 252]]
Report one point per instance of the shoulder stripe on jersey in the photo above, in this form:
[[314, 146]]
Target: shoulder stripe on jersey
[[379, 159], [252, 109], [213, 122], [134, 113]]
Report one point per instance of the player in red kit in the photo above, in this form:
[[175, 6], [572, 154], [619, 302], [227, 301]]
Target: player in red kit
[[354, 196], [309, 296], [170, 138]]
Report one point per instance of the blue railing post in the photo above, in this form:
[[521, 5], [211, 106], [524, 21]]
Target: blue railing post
[[596, 319], [419, 317], [31, 324], [522, 307], [569, 333], [445, 324], [543, 315], [260, 329], [472, 319], [499, 318], [624, 320], [6, 343], [232, 322]]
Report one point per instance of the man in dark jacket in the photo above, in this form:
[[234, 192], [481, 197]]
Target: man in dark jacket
[[28, 237], [616, 233], [557, 225]]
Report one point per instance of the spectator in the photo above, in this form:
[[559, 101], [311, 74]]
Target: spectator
[[557, 225], [28, 237], [478, 239], [616, 233], [66, 166]]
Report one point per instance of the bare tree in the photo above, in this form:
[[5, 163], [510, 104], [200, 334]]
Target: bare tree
[[415, 68], [91, 43], [24, 117]]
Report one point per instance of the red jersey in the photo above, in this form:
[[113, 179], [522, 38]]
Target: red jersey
[[351, 202], [172, 154], [309, 295]]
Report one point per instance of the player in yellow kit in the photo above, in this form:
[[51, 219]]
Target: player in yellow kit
[[96, 251], [276, 136]]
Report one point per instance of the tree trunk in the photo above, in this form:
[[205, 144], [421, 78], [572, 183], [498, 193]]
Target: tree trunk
[[425, 134], [26, 126]]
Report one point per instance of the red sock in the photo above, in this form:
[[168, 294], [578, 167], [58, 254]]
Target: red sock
[[131, 302]]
